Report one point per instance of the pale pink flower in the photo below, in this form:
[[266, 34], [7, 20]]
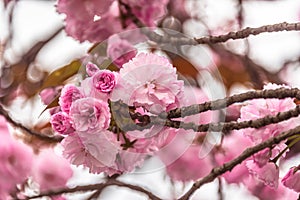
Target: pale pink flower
[[69, 94], [51, 171], [262, 191], [262, 158], [292, 179], [189, 166], [259, 108], [97, 151], [119, 50], [90, 115], [61, 123], [91, 69], [268, 174], [157, 89], [16, 160]]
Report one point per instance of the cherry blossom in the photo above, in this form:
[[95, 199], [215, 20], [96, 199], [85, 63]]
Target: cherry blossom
[[157, 90], [292, 179]]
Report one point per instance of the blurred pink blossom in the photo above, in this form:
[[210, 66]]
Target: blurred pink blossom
[[120, 50], [51, 171]]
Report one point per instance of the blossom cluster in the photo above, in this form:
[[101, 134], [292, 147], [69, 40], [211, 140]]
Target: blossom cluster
[[91, 114], [20, 166], [96, 20]]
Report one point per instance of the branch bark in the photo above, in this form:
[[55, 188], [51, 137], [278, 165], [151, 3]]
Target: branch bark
[[244, 33], [99, 187]]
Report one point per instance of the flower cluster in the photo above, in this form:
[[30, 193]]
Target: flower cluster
[[262, 166], [89, 19], [91, 115]]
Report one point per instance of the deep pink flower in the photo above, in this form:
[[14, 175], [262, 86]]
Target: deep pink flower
[[292, 179], [97, 152], [61, 123], [268, 174], [150, 81], [90, 115], [51, 171], [119, 50], [104, 81], [69, 94]]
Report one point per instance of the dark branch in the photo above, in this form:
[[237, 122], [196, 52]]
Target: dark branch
[[244, 33], [54, 139], [99, 187]]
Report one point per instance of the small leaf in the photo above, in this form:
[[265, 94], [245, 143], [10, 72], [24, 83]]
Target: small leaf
[[59, 76]]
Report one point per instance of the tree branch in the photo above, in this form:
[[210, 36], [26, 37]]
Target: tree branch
[[244, 33], [227, 126], [54, 139], [217, 171], [99, 187], [280, 93]]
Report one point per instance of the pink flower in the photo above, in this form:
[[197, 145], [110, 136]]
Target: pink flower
[[258, 108], [91, 69], [69, 94], [292, 179], [157, 89], [120, 50], [97, 152], [15, 164], [261, 191], [90, 115], [189, 166], [61, 123], [227, 153], [268, 174], [87, 20], [104, 81], [148, 12], [51, 171]]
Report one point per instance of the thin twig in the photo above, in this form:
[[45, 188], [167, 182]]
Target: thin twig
[[217, 171], [244, 33], [54, 139], [99, 186]]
